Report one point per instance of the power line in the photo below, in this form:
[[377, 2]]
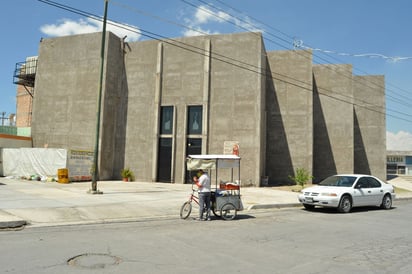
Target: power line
[[249, 23], [202, 52], [136, 10], [298, 43], [237, 19], [221, 58]]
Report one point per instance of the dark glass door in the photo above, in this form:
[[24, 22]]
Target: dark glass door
[[193, 147], [164, 170]]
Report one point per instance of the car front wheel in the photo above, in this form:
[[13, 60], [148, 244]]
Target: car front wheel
[[345, 204], [386, 202], [309, 207]]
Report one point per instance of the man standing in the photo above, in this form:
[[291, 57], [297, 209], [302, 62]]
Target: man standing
[[204, 195]]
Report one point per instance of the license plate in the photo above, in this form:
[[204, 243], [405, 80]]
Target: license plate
[[309, 199]]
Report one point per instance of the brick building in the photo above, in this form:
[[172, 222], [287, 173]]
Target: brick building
[[24, 107]]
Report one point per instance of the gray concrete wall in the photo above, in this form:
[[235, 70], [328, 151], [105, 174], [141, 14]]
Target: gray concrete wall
[[13, 141], [140, 66], [113, 111], [183, 77], [237, 92], [67, 81], [66, 88], [370, 125], [333, 120], [279, 123], [289, 114]]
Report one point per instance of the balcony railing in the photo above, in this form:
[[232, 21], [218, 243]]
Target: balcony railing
[[25, 72]]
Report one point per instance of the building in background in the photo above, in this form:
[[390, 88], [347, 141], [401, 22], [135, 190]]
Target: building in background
[[399, 162], [163, 100], [24, 77], [24, 107]]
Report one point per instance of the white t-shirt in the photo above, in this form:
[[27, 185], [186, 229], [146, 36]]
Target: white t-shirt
[[204, 182]]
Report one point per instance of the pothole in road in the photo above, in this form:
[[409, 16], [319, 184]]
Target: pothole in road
[[94, 260]]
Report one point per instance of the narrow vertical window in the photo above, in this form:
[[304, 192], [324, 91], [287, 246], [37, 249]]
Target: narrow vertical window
[[193, 134], [165, 149], [166, 120], [194, 120]]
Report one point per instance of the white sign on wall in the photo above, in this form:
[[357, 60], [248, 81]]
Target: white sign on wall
[[80, 163], [231, 147]]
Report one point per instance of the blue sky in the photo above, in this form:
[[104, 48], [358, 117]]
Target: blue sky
[[372, 35]]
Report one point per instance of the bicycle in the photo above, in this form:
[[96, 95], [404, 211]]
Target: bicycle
[[186, 208]]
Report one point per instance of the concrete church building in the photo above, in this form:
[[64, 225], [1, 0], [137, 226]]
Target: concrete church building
[[163, 100]]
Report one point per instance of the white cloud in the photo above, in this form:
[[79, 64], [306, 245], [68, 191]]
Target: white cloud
[[196, 31], [203, 16], [66, 27], [401, 141]]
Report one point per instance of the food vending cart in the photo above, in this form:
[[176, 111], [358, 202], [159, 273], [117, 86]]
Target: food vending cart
[[224, 172]]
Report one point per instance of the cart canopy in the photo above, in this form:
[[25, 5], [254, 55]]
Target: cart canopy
[[211, 161]]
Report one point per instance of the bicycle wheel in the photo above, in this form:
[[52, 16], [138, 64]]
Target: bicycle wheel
[[215, 211], [228, 211], [185, 210]]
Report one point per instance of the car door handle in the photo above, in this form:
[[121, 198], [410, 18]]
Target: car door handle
[[369, 191]]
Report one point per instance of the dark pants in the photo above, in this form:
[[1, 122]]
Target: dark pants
[[204, 204]]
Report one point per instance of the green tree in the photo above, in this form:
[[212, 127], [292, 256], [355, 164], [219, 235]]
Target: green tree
[[301, 177]]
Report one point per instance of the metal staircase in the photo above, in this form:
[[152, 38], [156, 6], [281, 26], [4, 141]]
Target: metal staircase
[[25, 74]]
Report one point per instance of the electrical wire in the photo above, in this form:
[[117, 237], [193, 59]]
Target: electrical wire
[[296, 43], [368, 55], [202, 52], [300, 44], [225, 19]]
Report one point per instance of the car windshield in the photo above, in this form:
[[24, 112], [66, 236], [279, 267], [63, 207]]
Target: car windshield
[[343, 181]]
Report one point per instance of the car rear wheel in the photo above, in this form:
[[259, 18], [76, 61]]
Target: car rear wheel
[[345, 204], [386, 202]]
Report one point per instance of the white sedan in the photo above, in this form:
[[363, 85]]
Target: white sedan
[[346, 191]]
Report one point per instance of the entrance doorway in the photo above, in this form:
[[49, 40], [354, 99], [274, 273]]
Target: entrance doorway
[[164, 170], [193, 147]]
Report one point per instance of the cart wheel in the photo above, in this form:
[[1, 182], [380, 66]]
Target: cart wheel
[[215, 211], [228, 211], [185, 210]]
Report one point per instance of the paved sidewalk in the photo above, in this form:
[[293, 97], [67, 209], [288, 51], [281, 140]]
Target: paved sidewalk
[[50, 203]]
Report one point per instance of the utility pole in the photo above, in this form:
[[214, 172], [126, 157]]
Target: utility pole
[[95, 175], [3, 118]]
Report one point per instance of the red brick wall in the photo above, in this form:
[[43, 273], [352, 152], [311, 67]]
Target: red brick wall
[[24, 107]]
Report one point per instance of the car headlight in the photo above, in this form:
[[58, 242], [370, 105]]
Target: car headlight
[[329, 194]]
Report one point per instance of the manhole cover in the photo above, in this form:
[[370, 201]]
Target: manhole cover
[[94, 261]]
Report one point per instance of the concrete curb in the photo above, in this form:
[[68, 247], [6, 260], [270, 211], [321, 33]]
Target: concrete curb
[[403, 198], [9, 221], [267, 206]]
